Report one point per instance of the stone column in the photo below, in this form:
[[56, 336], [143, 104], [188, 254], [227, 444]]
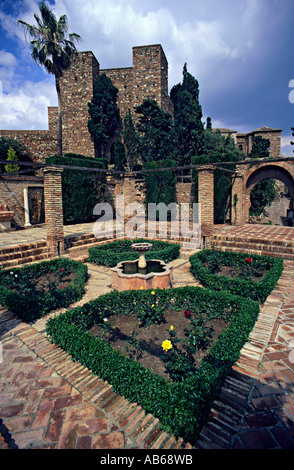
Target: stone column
[[26, 207], [238, 199], [206, 201], [54, 210]]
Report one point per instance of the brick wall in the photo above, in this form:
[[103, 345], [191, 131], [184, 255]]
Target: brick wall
[[206, 198], [54, 210]]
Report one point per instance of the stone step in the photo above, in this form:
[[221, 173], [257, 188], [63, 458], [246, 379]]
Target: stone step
[[255, 245], [277, 248], [255, 250], [19, 262], [257, 240], [21, 254]]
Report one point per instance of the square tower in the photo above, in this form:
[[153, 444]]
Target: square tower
[[150, 76], [77, 85]]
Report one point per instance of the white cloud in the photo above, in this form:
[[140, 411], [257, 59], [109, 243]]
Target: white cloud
[[27, 107], [286, 147], [222, 43]]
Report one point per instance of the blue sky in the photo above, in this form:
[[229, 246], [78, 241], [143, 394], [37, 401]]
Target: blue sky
[[240, 51]]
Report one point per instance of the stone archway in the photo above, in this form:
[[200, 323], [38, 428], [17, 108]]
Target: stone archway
[[271, 171], [247, 176]]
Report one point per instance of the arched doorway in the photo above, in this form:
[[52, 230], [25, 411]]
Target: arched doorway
[[280, 174]]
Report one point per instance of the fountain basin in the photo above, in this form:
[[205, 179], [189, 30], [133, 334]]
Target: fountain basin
[[127, 275]]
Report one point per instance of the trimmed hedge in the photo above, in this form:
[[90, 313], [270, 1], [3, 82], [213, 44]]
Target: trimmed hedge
[[114, 252], [80, 192], [30, 305], [259, 290], [182, 407]]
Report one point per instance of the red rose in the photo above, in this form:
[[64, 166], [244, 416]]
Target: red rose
[[248, 260], [187, 313], [61, 269]]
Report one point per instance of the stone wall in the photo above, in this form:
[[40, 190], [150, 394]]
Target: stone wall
[[39, 144], [147, 78], [77, 85], [246, 178], [245, 141], [13, 193]]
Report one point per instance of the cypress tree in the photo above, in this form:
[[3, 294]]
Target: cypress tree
[[189, 129], [104, 113]]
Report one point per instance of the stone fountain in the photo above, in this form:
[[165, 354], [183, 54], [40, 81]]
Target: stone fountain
[[141, 274]]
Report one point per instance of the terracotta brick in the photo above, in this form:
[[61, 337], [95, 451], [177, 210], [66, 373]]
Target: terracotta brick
[[114, 440], [93, 426]]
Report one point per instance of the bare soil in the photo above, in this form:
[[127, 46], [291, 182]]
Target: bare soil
[[231, 272], [46, 282], [151, 338]]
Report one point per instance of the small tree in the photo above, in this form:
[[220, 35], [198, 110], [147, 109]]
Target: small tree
[[11, 157]]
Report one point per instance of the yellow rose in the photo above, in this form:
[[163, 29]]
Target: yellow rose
[[153, 293], [166, 345], [171, 327], [152, 305]]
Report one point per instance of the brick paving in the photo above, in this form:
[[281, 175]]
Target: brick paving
[[47, 401]]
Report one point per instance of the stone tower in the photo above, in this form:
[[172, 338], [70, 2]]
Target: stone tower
[[147, 78], [76, 85]]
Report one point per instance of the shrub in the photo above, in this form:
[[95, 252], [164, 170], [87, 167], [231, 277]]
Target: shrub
[[110, 254], [245, 287], [182, 407], [30, 304], [80, 190]]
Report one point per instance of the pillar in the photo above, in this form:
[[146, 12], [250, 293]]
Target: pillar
[[54, 210], [238, 199], [206, 201], [26, 207]]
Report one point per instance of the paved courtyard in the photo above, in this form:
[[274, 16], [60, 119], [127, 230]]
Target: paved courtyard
[[48, 401]]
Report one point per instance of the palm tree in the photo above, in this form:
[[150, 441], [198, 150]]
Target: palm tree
[[52, 48]]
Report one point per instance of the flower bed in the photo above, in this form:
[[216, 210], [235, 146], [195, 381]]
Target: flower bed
[[181, 406], [110, 254], [34, 290], [252, 276]]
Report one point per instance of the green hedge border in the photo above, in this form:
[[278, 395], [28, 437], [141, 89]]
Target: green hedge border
[[112, 253], [254, 290], [181, 407], [33, 307]]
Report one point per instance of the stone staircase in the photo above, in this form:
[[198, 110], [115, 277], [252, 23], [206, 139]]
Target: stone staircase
[[19, 255], [259, 246]]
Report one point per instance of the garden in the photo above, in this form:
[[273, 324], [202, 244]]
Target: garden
[[34, 290], [168, 350]]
